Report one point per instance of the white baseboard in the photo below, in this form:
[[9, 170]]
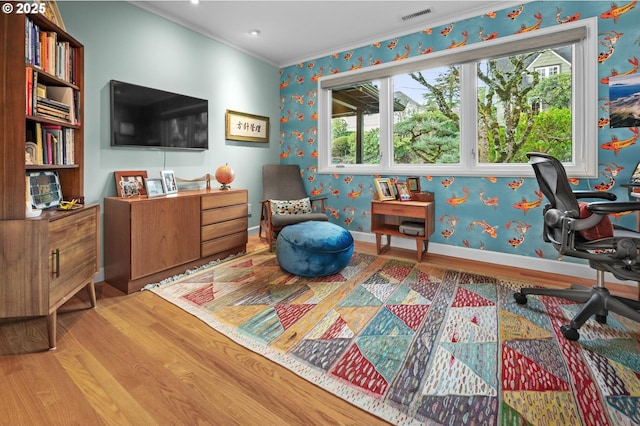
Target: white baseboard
[[530, 263]]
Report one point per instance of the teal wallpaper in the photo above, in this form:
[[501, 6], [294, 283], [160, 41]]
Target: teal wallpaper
[[495, 214]]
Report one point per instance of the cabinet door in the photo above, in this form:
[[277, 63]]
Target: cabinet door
[[24, 279], [73, 243], [165, 232]]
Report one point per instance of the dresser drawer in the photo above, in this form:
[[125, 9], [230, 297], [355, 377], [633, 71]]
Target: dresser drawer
[[223, 199], [207, 217], [219, 245], [221, 229], [399, 210]]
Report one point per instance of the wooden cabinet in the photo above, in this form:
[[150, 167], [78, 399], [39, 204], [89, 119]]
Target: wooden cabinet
[[44, 260], [48, 261], [387, 216], [149, 239]]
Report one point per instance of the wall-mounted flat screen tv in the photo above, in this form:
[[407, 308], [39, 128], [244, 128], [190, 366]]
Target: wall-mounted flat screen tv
[[152, 118]]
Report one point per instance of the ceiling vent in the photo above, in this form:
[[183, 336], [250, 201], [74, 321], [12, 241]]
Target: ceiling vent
[[415, 15]]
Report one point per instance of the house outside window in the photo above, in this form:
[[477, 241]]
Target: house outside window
[[474, 110]]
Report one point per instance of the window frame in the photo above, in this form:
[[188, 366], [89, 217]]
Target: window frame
[[583, 34]]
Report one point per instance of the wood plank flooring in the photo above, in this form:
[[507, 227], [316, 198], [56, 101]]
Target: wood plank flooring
[[137, 359]]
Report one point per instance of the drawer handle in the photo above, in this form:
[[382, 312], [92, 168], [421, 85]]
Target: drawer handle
[[56, 263]]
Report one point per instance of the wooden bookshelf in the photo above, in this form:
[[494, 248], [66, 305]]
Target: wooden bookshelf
[[49, 258]]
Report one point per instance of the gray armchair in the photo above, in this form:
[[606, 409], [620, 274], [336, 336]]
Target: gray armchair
[[284, 201]]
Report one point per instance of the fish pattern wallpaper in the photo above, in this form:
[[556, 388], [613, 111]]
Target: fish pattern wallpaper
[[500, 214]]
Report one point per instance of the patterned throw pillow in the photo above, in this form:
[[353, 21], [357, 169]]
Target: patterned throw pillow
[[302, 206]]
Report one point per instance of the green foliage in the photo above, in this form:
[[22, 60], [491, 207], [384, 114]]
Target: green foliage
[[551, 133], [553, 91], [427, 138]]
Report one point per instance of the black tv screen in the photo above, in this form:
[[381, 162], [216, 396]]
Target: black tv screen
[[152, 118]]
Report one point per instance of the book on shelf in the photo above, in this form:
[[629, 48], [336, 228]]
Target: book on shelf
[[58, 145], [55, 102], [44, 51]]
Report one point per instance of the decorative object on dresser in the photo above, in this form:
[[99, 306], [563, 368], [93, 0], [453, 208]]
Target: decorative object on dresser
[[414, 184], [385, 190], [154, 187], [241, 126], [56, 254], [149, 239], [169, 184], [225, 175], [130, 183], [403, 191]]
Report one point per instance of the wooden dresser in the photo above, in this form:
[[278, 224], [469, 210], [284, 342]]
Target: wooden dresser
[[149, 239]]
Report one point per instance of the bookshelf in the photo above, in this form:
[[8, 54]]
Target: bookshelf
[[49, 258]]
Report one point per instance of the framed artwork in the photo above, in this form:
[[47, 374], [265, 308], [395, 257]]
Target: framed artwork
[[403, 191], [385, 190], [241, 126], [31, 153], [154, 187], [50, 11], [414, 184], [44, 189], [169, 184], [130, 183]]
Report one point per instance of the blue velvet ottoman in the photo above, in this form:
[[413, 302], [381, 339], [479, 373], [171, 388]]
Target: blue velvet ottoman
[[314, 249]]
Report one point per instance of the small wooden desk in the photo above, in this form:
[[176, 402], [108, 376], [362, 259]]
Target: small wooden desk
[[386, 217]]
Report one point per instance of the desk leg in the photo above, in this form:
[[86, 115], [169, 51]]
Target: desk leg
[[379, 247], [421, 247]]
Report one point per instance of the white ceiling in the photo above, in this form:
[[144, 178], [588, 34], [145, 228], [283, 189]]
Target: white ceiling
[[296, 31]]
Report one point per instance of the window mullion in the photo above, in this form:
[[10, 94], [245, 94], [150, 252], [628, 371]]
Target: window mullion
[[468, 116], [386, 123]]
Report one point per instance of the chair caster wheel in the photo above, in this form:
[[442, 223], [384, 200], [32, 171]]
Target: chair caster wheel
[[520, 298], [570, 333], [602, 319]]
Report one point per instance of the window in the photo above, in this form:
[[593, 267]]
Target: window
[[547, 71], [474, 110]]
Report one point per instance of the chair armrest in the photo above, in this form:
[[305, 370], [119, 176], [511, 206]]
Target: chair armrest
[[321, 200], [595, 194], [603, 207]]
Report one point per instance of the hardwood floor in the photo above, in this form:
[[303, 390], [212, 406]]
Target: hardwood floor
[[137, 359]]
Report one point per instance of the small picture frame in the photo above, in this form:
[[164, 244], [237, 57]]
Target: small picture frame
[[154, 187], [414, 184], [385, 189], [130, 183], [403, 191], [169, 182]]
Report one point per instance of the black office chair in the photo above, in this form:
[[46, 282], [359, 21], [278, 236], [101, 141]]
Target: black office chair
[[563, 227]]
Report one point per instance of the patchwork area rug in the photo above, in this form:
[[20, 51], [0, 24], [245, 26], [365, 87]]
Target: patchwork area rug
[[415, 344]]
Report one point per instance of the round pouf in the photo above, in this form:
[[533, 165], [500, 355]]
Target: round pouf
[[314, 249]]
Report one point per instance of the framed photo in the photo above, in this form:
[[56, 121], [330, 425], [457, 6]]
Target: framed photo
[[241, 126], [385, 190], [414, 184], [130, 183], [154, 187], [169, 182], [403, 191]]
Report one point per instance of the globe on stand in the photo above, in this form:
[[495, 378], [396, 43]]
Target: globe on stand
[[225, 175]]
